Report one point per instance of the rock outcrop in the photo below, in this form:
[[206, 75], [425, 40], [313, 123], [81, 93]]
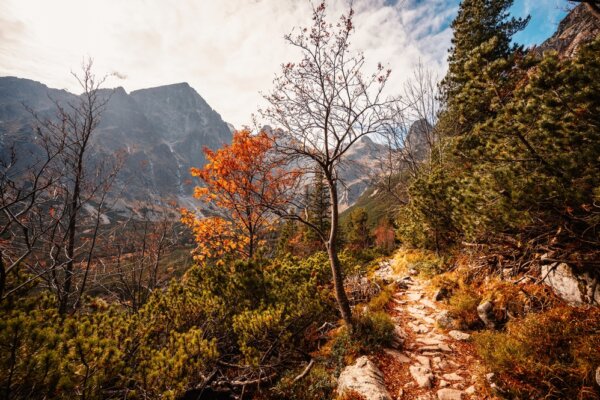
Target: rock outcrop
[[575, 288], [578, 27], [364, 378]]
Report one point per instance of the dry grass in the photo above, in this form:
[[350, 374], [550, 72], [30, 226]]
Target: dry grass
[[425, 262], [550, 355]]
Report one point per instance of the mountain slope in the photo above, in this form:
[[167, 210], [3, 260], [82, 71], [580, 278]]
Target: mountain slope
[[161, 130]]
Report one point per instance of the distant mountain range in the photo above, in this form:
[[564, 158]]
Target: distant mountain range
[[162, 132]]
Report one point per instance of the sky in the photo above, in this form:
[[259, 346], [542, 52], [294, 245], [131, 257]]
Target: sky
[[228, 50]]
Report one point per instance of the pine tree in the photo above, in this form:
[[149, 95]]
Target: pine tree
[[357, 231], [446, 201], [478, 22], [317, 206]]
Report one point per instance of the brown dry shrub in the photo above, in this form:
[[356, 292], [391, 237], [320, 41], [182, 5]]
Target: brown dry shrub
[[463, 306], [552, 355]]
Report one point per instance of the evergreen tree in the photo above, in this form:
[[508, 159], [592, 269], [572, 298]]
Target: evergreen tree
[[478, 22], [357, 231], [446, 200], [317, 206]]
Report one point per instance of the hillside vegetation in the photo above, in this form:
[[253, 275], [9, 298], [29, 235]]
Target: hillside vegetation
[[489, 186]]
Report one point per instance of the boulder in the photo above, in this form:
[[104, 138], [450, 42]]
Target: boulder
[[444, 320], [422, 375], [449, 394], [486, 313], [364, 378], [441, 294], [572, 287]]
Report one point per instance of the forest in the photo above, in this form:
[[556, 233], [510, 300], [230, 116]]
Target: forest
[[485, 199]]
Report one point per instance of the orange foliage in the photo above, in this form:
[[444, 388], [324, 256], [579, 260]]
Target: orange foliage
[[384, 235], [246, 182]]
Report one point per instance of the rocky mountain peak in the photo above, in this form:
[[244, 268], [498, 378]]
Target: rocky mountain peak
[[578, 27]]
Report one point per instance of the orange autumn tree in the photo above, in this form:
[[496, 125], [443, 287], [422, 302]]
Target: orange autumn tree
[[244, 181]]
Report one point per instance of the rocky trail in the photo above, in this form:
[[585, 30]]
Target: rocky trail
[[426, 363]]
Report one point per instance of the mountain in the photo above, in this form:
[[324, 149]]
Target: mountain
[[161, 130], [358, 170], [578, 27]]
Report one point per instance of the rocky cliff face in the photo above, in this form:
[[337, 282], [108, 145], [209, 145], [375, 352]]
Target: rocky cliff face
[[161, 130], [358, 170], [578, 27]]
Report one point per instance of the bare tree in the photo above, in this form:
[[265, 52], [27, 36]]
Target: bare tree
[[411, 136], [136, 253], [84, 183], [23, 205], [322, 106], [54, 207]]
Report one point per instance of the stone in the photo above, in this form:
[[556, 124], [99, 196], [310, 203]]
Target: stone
[[397, 355], [452, 377], [572, 287], [449, 394], [424, 361], [364, 378], [429, 341], [441, 294], [444, 347], [470, 390], [399, 332], [418, 328], [422, 375], [486, 313], [412, 271], [428, 303], [444, 320], [458, 335], [414, 296], [443, 383]]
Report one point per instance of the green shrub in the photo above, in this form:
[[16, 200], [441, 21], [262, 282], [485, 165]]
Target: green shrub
[[379, 302], [463, 306], [373, 330], [319, 384], [551, 355]]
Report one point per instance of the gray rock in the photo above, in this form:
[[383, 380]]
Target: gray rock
[[364, 378], [397, 355], [441, 294], [429, 341], [486, 314], [444, 320], [422, 375], [572, 287], [424, 361], [449, 394], [452, 377], [458, 335]]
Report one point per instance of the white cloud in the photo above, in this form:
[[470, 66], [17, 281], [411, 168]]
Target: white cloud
[[228, 50]]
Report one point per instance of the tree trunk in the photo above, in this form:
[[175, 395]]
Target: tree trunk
[[72, 228], [334, 262], [2, 275]]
